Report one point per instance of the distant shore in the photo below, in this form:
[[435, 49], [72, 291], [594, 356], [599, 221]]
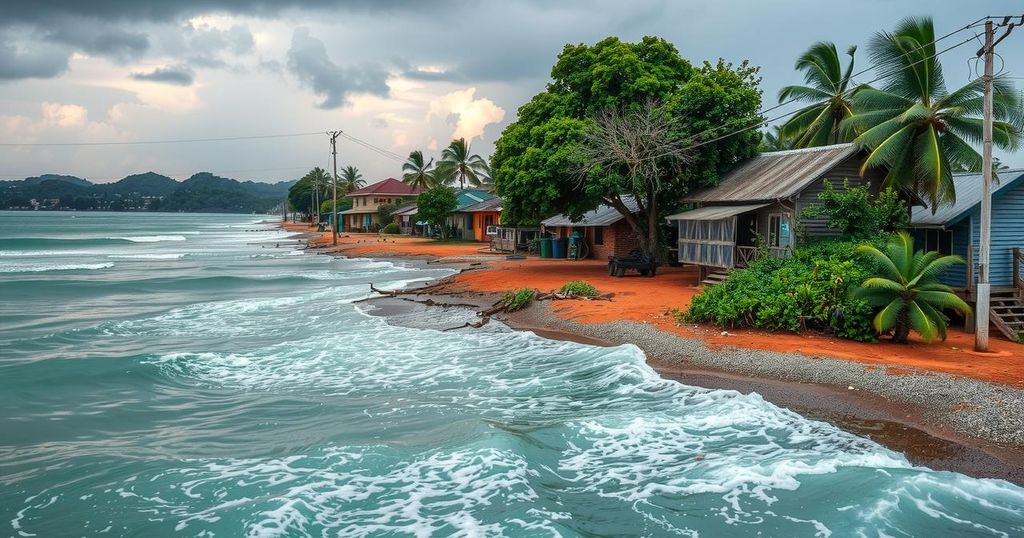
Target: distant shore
[[946, 422]]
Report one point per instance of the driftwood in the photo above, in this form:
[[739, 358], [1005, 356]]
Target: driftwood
[[431, 302], [483, 321]]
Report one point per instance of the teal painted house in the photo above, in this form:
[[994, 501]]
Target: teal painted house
[[956, 229]]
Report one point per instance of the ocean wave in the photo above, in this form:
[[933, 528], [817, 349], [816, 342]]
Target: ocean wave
[[167, 256], [42, 268], [150, 238]]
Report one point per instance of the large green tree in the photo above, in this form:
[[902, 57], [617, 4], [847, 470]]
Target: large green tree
[[300, 194], [828, 90], [434, 205], [917, 130], [459, 164], [536, 163]]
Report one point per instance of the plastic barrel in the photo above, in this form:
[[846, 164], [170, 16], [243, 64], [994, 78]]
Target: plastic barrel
[[545, 247], [558, 247]]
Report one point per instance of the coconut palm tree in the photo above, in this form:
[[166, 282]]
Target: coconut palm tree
[[909, 290], [459, 164], [350, 179], [828, 89], [416, 174], [917, 130], [773, 140]]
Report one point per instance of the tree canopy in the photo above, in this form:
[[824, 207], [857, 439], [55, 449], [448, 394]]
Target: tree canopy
[[434, 205], [537, 160]]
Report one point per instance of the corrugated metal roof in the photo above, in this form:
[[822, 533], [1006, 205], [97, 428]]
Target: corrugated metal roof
[[494, 204], [386, 186], [407, 209], [604, 215], [776, 175], [715, 212], [968, 196], [468, 197]]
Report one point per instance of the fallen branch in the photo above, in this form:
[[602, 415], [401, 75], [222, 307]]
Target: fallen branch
[[483, 321], [555, 296]]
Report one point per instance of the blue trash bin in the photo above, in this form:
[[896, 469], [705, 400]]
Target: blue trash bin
[[558, 248]]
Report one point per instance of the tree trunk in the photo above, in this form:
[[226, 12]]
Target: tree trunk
[[648, 240], [902, 330]]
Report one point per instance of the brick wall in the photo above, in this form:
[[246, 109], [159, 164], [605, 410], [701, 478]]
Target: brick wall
[[618, 240]]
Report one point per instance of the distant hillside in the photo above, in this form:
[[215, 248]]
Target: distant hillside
[[57, 177], [203, 192]]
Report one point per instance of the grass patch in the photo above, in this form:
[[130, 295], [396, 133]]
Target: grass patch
[[518, 299], [579, 288]]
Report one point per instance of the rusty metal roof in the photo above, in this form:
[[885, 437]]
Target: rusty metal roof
[[715, 212], [604, 215], [776, 175]]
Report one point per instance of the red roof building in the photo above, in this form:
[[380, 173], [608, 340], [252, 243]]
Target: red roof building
[[364, 215]]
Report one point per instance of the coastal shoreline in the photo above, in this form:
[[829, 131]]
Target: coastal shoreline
[[941, 421]]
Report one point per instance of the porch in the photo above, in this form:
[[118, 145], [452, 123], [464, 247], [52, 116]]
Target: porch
[[729, 237]]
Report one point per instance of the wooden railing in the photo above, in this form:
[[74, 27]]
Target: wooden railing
[[745, 255]]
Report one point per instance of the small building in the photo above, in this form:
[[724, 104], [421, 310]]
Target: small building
[[604, 230], [761, 198], [956, 229], [459, 220], [364, 215], [405, 217], [485, 218]]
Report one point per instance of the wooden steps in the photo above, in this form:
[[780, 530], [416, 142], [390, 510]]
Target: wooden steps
[[715, 278], [1006, 311]]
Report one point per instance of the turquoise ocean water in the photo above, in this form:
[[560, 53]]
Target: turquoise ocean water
[[177, 375]]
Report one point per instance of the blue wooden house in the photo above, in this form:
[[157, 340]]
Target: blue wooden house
[[956, 230]]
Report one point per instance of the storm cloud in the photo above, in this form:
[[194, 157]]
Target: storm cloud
[[178, 75], [309, 62]]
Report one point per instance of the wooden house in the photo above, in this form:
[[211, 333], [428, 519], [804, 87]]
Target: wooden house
[[956, 230], [461, 221], [761, 198], [485, 216]]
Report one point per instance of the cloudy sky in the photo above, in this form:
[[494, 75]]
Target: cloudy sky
[[399, 74]]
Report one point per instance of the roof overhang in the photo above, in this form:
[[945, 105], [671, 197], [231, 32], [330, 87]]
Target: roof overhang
[[715, 212]]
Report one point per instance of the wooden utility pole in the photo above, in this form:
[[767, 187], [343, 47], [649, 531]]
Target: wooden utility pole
[[334, 203], [981, 307]]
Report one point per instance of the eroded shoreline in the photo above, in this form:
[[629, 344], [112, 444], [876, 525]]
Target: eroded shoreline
[[940, 421]]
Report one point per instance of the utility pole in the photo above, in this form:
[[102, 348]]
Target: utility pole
[[981, 307], [334, 203]]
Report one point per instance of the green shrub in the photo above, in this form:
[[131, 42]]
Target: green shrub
[[810, 290], [579, 288], [392, 228], [855, 214], [518, 299]]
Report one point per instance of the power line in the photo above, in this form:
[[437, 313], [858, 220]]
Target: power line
[[153, 142], [760, 116]]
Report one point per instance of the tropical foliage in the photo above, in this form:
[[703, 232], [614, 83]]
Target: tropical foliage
[[828, 89], [459, 164], [907, 289], [915, 129], [810, 290], [434, 205], [579, 288], [536, 160], [417, 173], [857, 215], [350, 179], [315, 185]]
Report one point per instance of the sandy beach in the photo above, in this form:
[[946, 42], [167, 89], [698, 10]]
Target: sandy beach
[[941, 404]]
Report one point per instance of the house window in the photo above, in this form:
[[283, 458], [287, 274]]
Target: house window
[[774, 230], [598, 235], [940, 240]]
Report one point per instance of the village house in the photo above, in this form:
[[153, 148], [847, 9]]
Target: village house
[[604, 230], [760, 200], [485, 218], [956, 230], [458, 220], [364, 215]]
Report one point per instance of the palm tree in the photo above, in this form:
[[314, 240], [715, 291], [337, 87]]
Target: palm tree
[[909, 289], [417, 174], [773, 141], [458, 164], [350, 179], [918, 131], [828, 90]]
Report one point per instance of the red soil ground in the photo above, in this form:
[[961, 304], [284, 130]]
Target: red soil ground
[[649, 300]]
